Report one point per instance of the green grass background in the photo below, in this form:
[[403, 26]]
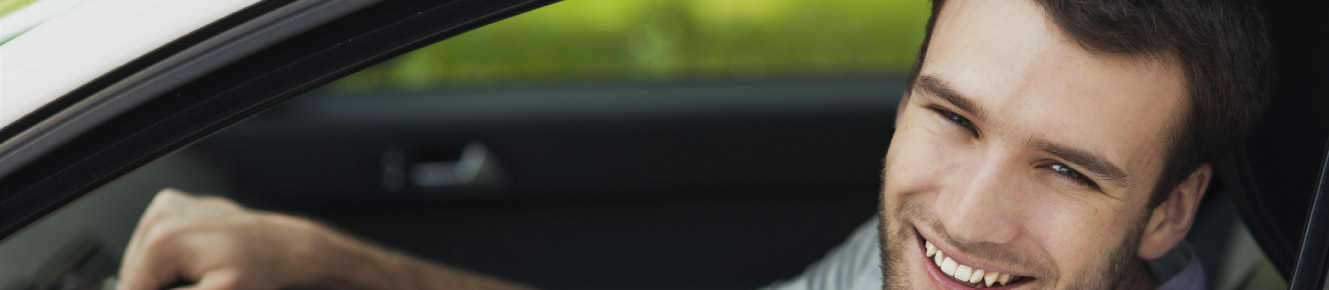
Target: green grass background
[[599, 40], [578, 40]]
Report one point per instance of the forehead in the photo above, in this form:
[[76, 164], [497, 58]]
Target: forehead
[[1007, 57]]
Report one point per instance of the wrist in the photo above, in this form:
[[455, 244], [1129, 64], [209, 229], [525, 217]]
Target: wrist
[[331, 259], [309, 254], [334, 260]]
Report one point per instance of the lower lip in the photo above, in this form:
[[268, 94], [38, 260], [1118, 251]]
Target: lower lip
[[939, 279]]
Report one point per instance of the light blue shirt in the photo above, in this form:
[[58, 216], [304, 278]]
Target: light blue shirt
[[856, 265]]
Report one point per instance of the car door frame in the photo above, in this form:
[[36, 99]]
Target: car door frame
[[58, 153]]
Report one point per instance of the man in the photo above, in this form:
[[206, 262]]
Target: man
[[1040, 145], [1059, 145]]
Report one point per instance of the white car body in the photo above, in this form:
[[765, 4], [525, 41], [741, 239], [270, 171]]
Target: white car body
[[88, 41]]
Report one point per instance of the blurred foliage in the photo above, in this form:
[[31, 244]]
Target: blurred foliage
[[9, 6], [666, 39]]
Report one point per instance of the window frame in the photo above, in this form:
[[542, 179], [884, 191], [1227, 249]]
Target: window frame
[[53, 169]]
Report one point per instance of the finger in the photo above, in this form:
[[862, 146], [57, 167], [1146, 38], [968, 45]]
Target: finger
[[153, 269], [160, 204], [144, 267], [151, 215]]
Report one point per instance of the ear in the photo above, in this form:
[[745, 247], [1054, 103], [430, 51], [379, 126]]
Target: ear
[[899, 109], [1171, 220]]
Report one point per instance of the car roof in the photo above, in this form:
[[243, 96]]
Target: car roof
[[90, 40]]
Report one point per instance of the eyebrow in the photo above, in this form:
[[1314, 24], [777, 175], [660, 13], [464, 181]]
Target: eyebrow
[[933, 86], [1092, 162]]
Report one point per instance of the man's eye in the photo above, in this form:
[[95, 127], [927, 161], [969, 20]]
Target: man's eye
[[1073, 175], [957, 120]]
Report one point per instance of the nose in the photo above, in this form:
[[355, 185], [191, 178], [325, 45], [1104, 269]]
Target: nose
[[982, 208]]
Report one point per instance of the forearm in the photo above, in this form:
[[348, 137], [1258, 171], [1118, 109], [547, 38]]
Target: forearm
[[355, 264], [214, 243]]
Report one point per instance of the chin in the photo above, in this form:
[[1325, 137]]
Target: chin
[[907, 265]]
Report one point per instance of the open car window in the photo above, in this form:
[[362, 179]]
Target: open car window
[[599, 128], [665, 69]]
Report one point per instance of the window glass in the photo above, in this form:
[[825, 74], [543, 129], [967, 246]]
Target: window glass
[[657, 40]]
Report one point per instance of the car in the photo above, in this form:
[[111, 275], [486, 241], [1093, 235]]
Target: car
[[681, 183]]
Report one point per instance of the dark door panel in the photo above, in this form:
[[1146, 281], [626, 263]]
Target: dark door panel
[[685, 185], [680, 140]]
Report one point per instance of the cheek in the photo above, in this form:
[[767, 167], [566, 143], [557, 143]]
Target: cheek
[[1078, 238], [916, 159]]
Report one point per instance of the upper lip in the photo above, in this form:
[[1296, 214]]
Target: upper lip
[[961, 257]]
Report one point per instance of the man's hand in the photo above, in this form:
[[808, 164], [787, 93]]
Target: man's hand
[[213, 243], [218, 245]]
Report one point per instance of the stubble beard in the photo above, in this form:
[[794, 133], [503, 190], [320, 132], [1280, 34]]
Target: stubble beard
[[894, 245]]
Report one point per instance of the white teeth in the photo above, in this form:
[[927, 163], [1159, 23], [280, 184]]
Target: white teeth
[[977, 276], [965, 272], [962, 272], [948, 266]]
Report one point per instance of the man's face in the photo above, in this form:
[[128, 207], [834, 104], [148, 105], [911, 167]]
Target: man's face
[[1019, 152]]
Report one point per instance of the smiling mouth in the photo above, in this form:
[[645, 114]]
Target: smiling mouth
[[971, 276]]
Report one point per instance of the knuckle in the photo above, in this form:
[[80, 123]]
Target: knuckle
[[169, 193], [159, 210], [161, 237], [162, 199]]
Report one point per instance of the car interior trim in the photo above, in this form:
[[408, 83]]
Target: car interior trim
[[1313, 257]]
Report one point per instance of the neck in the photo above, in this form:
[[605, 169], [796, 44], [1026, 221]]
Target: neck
[[1138, 277]]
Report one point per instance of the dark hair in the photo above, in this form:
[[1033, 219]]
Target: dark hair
[[1222, 45]]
